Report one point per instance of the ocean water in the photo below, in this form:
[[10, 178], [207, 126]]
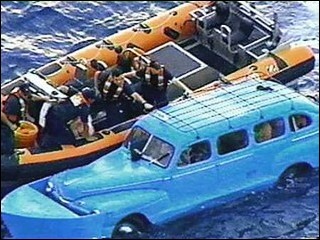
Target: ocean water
[[34, 33]]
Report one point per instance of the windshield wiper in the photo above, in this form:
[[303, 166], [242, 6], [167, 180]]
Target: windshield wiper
[[136, 155], [157, 160]]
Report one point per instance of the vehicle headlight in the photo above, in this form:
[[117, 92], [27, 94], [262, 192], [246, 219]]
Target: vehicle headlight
[[96, 211]]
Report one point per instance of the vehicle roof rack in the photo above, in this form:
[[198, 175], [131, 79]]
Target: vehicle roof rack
[[175, 116]]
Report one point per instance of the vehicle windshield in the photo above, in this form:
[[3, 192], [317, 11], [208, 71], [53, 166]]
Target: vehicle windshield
[[143, 145]]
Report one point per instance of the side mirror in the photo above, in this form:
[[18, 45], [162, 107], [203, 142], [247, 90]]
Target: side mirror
[[135, 155]]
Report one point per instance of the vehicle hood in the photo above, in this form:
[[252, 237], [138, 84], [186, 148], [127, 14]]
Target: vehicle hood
[[112, 173]]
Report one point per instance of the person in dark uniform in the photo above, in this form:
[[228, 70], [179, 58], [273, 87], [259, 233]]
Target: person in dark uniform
[[155, 80], [100, 68], [98, 65], [74, 86], [7, 134], [57, 130], [124, 62], [118, 96], [15, 106], [99, 80], [15, 109]]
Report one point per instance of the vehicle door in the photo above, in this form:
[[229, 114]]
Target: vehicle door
[[235, 164], [194, 178], [269, 141]]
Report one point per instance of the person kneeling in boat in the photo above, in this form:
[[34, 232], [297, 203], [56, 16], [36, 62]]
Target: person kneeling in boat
[[57, 130], [76, 85], [101, 69], [17, 104], [15, 109], [119, 96], [7, 134], [155, 79], [124, 62]]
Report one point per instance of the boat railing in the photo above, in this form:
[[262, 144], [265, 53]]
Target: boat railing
[[252, 11], [230, 40], [226, 34]]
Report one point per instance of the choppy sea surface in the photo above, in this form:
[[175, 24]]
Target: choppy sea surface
[[34, 33]]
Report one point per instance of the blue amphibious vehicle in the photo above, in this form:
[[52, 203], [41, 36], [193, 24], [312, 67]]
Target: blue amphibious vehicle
[[211, 148]]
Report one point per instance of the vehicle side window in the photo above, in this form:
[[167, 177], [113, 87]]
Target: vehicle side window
[[232, 142], [196, 153], [299, 121], [269, 130]]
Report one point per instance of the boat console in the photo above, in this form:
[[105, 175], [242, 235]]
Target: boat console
[[236, 31]]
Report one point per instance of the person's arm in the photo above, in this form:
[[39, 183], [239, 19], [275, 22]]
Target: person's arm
[[37, 98], [129, 91], [96, 82], [137, 97], [130, 74], [84, 117], [6, 121], [167, 76]]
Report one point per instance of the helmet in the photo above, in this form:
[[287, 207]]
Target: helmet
[[25, 88], [88, 93], [116, 72], [155, 65]]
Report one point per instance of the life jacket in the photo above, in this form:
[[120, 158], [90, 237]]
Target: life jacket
[[101, 67], [117, 93], [155, 80], [102, 77], [23, 108]]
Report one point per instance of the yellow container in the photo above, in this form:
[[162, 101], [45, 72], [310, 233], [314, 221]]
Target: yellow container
[[26, 135]]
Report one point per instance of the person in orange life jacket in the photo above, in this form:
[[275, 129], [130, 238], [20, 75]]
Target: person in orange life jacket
[[7, 134], [99, 67], [14, 110], [15, 106], [100, 79], [74, 86], [155, 80], [124, 62], [118, 96], [56, 131]]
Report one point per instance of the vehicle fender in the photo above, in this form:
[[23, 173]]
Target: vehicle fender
[[308, 153], [151, 203]]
